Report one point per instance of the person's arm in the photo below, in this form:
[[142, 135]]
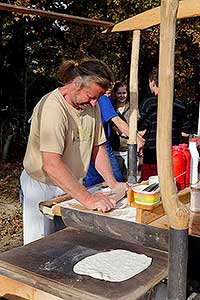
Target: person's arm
[[140, 137], [142, 132], [102, 164], [123, 128], [183, 134], [61, 176], [121, 125]]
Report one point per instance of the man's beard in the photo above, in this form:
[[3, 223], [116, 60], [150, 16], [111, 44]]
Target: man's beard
[[80, 106]]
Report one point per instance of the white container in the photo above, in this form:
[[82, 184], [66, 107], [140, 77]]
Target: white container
[[195, 198], [194, 161], [153, 179]]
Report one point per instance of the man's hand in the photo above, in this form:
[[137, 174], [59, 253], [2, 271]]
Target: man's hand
[[140, 142], [100, 201], [104, 201]]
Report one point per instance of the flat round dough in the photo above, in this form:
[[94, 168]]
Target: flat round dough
[[115, 265]]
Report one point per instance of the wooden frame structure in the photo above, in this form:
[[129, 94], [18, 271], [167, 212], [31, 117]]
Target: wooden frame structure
[[53, 15], [177, 213], [152, 17]]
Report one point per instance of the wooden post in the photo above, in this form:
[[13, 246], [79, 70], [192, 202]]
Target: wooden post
[[176, 211], [132, 142]]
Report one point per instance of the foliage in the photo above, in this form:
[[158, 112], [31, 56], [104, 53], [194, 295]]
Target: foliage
[[31, 48]]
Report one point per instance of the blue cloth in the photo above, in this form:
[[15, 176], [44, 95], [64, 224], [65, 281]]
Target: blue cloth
[[93, 177], [107, 113]]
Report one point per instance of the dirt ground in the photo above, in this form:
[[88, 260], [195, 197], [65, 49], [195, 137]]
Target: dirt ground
[[10, 207]]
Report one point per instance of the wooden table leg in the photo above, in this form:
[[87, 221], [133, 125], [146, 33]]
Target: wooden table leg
[[13, 290]]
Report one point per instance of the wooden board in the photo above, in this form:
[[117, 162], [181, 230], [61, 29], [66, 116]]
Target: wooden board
[[146, 214], [194, 224], [47, 265], [149, 18], [14, 290], [127, 231]]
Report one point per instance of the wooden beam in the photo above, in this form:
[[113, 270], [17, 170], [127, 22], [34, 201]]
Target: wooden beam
[[53, 15], [149, 18], [176, 211]]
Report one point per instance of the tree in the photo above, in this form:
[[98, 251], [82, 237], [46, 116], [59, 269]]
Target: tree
[[32, 47]]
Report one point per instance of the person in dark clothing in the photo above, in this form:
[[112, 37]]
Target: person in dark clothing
[[147, 125]]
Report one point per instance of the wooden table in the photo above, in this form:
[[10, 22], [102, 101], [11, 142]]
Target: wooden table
[[25, 273], [43, 269]]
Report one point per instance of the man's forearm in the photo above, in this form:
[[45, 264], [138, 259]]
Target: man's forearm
[[63, 177]]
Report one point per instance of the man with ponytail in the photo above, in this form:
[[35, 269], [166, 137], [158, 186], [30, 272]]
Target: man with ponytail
[[66, 132]]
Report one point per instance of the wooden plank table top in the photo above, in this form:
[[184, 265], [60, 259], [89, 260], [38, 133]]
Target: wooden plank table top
[[47, 265]]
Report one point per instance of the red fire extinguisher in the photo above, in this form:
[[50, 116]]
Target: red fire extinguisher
[[179, 167], [186, 151]]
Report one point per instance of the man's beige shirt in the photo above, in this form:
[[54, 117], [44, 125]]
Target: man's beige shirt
[[59, 128]]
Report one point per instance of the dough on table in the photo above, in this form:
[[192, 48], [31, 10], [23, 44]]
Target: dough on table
[[115, 265]]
